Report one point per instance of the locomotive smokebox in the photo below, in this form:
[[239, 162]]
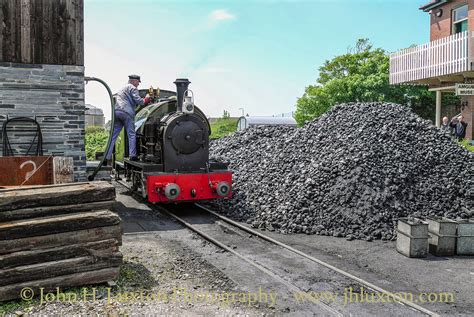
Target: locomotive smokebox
[[181, 86]]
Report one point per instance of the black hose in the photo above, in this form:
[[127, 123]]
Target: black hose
[[87, 79]]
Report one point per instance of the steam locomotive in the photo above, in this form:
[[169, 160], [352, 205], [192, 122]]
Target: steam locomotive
[[173, 152]]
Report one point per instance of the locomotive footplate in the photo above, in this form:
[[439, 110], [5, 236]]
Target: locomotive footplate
[[144, 166], [147, 167]]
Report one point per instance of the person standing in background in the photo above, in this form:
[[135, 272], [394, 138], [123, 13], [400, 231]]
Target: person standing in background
[[445, 126], [459, 127]]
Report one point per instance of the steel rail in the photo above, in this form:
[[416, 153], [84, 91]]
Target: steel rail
[[327, 265], [292, 287]]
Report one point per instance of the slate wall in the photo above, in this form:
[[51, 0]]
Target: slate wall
[[54, 95]]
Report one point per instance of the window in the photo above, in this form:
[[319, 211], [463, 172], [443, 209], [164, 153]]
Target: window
[[460, 19]]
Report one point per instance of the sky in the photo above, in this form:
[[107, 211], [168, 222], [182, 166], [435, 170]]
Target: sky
[[253, 55]]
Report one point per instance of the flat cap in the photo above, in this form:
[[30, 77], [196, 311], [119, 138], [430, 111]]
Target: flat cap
[[134, 77]]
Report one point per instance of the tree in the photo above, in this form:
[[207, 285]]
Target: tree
[[361, 75]]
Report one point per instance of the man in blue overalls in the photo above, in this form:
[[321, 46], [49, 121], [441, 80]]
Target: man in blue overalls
[[126, 100]]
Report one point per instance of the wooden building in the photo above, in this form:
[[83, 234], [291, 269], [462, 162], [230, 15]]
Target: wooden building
[[447, 60], [42, 72]]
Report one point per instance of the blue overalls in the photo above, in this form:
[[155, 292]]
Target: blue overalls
[[126, 100]]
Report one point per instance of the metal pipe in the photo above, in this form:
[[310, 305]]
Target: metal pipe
[[111, 132]]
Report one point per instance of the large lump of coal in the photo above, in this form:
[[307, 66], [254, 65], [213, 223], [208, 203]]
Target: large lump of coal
[[351, 173]]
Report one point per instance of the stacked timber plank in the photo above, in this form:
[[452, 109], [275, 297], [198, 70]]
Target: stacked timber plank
[[58, 236]]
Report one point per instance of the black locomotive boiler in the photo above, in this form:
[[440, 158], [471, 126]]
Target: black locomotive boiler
[[173, 152]]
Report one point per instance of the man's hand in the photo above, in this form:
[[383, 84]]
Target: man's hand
[[147, 99]]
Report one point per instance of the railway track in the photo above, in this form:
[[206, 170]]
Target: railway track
[[215, 238], [356, 279]]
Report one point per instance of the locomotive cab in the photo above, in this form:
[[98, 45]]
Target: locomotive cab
[[173, 153]]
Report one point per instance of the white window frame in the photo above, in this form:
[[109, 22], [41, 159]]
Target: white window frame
[[454, 23]]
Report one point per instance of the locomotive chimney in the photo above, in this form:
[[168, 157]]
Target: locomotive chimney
[[181, 86]]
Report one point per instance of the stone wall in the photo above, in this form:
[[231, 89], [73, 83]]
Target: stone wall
[[54, 95]]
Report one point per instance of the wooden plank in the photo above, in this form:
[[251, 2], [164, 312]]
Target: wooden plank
[[56, 195], [85, 278], [9, 30], [25, 31], [101, 248], [46, 40], [57, 268], [18, 229], [61, 239], [53, 210], [38, 34], [2, 31], [63, 170], [62, 27], [55, 32], [70, 39], [26, 187], [34, 32], [17, 31], [79, 18]]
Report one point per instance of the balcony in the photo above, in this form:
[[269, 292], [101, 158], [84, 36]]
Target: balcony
[[445, 60]]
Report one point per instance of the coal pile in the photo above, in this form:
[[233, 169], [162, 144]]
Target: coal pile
[[351, 173]]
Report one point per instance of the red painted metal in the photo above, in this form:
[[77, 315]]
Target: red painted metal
[[200, 183], [14, 170]]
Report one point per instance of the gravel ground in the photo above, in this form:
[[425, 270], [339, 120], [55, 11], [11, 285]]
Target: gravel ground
[[157, 278]]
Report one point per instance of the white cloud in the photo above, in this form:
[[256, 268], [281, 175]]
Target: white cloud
[[221, 15]]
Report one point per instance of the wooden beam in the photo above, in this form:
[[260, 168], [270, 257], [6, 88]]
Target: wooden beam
[[97, 248], [61, 239], [51, 284], [445, 88], [57, 268], [18, 229], [47, 211], [451, 79], [55, 196]]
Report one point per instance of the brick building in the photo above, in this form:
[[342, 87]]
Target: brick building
[[42, 73], [444, 62]]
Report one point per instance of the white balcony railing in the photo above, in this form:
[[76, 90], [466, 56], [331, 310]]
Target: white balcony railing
[[446, 56]]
